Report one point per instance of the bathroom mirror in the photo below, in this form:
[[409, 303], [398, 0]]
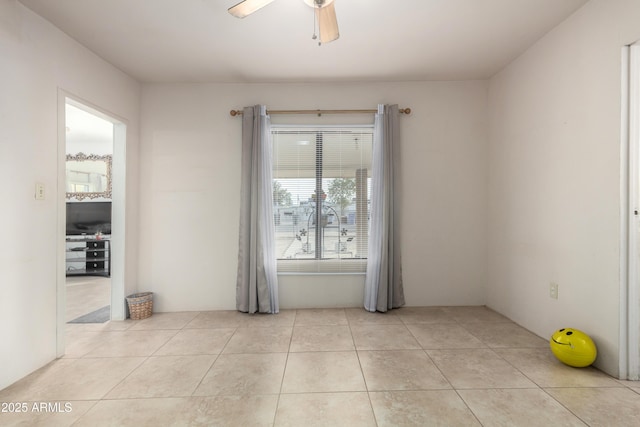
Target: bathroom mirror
[[88, 176]]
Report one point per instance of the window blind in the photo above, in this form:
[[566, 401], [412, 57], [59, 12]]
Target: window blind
[[321, 181]]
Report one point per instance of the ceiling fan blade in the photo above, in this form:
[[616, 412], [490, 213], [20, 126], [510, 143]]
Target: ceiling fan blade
[[247, 7], [328, 23]]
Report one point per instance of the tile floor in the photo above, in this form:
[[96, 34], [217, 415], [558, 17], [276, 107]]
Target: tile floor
[[451, 366], [86, 294]]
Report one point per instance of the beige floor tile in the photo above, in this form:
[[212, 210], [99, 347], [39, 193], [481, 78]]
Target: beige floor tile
[[439, 336], [413, 315], [471, 314], [478, 368], [232, 368], [629, 383], [324, 409], [110, 326], [323, 372], [218, 319], [400, 370], [618, 407], [231, 411], [37, 380], [177, 320], [164, 376], [505, 335], [137, 412], [542, 367], [196, 341], [259, 340], [131, 343], [321, 316], [518, 407], [72, 379], [263, 320], [383, 337], [55, 414], [360, 316], [236, 319], [421, 408], [85, 294], [321, 338], [79, 343], [244, 374]]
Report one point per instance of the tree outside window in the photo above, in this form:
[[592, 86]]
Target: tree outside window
[[281, 196], [341, 192]]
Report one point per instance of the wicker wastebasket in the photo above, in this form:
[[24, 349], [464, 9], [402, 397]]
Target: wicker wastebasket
[[140, 305]]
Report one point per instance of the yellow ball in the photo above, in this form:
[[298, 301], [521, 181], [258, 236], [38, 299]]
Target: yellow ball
[[573, 347]]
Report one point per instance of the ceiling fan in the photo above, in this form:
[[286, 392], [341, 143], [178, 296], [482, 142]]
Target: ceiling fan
[[324, 9]]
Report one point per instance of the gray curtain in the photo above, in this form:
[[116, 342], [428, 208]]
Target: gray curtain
[[383, 282], [257, 282]]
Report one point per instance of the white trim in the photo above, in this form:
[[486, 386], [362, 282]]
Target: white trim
[[295, 273], [633, 306], [118, 248], [323, 127], [629, 355], [61, 299]]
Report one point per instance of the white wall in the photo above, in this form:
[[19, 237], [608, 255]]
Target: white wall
[[554, 181], [189, 190], [36, 60]]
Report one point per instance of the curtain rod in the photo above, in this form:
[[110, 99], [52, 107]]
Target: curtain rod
[[320, 112]]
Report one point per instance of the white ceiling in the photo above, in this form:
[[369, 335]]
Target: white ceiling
[[399, 40], [87, 133]]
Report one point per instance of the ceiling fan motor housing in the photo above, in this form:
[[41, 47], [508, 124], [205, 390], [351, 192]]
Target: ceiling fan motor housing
[[318, 3]]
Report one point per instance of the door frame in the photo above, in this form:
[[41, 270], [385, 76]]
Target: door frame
[[629, 337], [118, 248]]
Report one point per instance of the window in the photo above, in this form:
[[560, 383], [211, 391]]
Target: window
[[321, 181]]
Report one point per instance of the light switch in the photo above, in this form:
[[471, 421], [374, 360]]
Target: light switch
[[39, 191]]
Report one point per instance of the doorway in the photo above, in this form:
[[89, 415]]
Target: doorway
[[91, 182], [88, 187]]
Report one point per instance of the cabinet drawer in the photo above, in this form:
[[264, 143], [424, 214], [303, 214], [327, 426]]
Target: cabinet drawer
[[95, 245], [95, 253], [94, 266]]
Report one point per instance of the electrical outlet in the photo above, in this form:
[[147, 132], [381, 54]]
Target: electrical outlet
[[553, 290], [39, 191]]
